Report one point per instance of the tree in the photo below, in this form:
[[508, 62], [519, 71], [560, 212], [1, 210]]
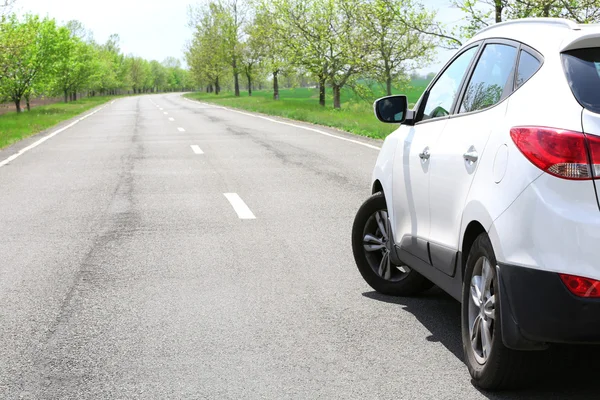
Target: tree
[[138, 72], [327, 38], [305, 37], [6, 7], [205, 54], [483, 13], [250, 60], [77, 62], [79, 31], [158, 75], [231, 15], [32, 53], [267, 40], [397, 48], [171, 62]]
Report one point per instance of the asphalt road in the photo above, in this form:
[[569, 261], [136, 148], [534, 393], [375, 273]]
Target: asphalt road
[[126, 272]]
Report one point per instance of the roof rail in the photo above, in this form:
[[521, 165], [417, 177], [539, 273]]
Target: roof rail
[[566, 23]]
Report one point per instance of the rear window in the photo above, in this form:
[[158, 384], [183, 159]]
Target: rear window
[[582, 67]]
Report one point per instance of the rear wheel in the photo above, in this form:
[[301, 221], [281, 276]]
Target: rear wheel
[[372, 243], [491, 364]]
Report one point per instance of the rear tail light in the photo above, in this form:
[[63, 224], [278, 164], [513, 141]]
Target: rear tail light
[[562, 153], [582, 287]]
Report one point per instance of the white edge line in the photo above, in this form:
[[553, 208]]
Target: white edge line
[[196, 149], [290, 124], [42, 140], [239, 206]]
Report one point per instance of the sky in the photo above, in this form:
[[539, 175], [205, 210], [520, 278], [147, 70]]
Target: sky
[[158, 29]]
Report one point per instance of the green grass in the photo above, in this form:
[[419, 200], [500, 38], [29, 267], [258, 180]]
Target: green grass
[[356, 114], [15, 127]]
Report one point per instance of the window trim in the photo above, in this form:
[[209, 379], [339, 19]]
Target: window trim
[[423, 100], [535, 54], [512, 43], [462, 88]]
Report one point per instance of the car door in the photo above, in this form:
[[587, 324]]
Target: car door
[[458, 150], [412, 160]]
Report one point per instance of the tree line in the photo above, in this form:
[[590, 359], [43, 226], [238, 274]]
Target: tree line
[[480, 14], [39, 57], [340, 43], [336, 43]]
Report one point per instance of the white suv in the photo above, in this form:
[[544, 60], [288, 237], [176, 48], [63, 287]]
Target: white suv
[[488, 189]]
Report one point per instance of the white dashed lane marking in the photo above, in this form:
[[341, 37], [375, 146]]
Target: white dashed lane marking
[[196, 149], [239, 206]]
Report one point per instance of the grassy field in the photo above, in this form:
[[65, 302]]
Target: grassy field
[[14, 127], [302, 104]]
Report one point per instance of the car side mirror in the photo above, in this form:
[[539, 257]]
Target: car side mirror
[[391, 109]]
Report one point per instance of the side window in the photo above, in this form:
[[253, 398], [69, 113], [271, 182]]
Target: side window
[[445, 89], [492, 78], [528, 65]]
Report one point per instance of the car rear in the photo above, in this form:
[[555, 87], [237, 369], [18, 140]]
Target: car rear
[[548, 239]]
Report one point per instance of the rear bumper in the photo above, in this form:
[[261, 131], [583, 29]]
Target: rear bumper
[[554, 225], [536, 309]]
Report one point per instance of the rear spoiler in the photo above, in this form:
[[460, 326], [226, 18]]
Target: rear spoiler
[[591, 39]]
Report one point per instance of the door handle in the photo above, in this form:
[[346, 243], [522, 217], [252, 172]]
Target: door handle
[[471, 155], [425, 154]]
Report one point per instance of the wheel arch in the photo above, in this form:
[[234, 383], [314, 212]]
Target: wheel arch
[[474, 229], [476, 220], [382, 177], [377, 187]]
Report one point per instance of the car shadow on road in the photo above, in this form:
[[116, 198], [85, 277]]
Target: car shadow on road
[[571, 372]]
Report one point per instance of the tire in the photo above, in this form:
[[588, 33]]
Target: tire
[[392, 280], [499, 367]]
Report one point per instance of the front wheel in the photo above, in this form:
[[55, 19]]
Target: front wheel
[[372, 243]]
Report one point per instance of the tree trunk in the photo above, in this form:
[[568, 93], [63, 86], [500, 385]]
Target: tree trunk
[[217, 87], [275, 86], [546, 10], [249, 84], [388, 84], [27, 102], [74, 96], [18, 105], [322, 91], [336, 97], [66, 97], [236, 78], [498, 4]]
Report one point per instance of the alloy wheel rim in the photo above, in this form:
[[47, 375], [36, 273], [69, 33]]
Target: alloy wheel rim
[[482, 310], [377, 245]]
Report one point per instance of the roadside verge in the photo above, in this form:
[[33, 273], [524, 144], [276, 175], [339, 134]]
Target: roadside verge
[[355, 117], [16, 127], [18, 148], [374, 144]]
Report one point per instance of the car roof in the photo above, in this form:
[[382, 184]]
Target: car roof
[[546, 35]]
